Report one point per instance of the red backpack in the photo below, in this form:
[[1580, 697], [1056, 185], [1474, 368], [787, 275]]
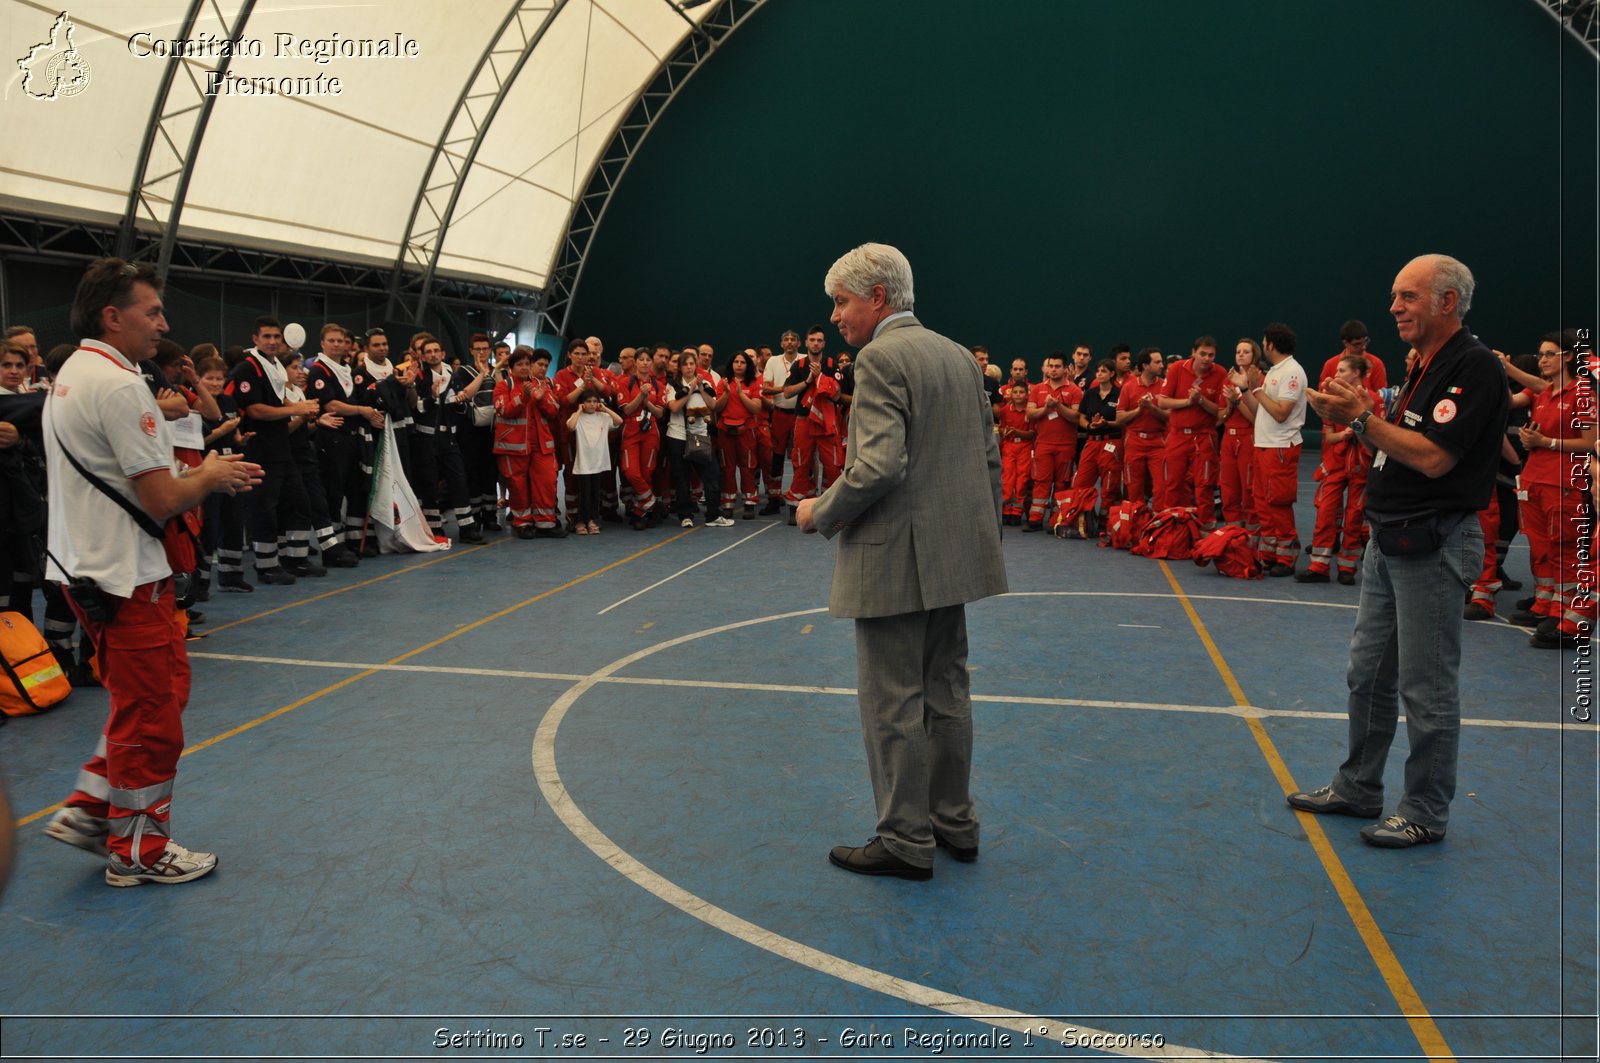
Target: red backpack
[[1171, 535], [1075, 517], [1230, 549], [1125, 523]]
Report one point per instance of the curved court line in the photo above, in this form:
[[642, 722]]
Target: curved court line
[[582, 828]]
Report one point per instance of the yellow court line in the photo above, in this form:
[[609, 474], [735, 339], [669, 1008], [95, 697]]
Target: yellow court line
[[446, 556], [341, 684], [1394, 976]]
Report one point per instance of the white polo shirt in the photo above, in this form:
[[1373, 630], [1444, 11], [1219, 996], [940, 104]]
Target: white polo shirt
[[776, 375], [102, 411], [1285, 382]]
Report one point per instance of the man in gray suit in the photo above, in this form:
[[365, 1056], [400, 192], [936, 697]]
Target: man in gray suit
[[917, 513]]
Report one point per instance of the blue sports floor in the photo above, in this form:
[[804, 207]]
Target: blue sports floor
[[573, 800]]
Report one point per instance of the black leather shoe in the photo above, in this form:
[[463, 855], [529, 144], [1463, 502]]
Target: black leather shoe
[[555, 531], [772, 506], [525, 531], [305, 568], [1476, 611], [1524, 604], [791, 516], [1554, 639], [1281, 569], [1506, 582], [236, 585], [471, 534], [274, 577], [1033, 526], [1309, 576], [963, 854], [1347, 578], [1525, 618], [340, 557], [874, 858]]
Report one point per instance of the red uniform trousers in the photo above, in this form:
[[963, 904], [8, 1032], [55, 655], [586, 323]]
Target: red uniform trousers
[[639, 456], [1016, 465], [783, 422], [1141, 464], [1487, 585], [1277, 482], [1189, 472], [1353, 536], [809, 445], [1331, 504], [531, 483], [1052, 472], [764, 459], [1236, 475], [1553, 517], [736, 450], [1100, 464], [145, 669]]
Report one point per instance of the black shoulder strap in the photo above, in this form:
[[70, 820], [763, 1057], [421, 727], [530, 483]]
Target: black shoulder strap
[[140, 517]]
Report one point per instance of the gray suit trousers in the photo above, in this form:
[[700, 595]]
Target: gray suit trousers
[[916, 721]]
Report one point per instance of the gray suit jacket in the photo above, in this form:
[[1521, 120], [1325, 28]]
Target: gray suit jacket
[[917, 508]]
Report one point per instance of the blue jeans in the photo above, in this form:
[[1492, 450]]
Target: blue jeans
[[1407, 647]]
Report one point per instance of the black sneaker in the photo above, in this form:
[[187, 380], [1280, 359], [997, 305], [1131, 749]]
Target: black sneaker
[[274, 577], [340, 557], [1311, 576], [1525, 618], [234, 585], [305, 567], [1476, 611], [1397, 832], [1553, 638], [1281, 569], [1326, 802]]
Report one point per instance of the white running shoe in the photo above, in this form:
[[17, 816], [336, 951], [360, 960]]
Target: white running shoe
[[720, 522], [686, 522], [76, 827], [177, 864]]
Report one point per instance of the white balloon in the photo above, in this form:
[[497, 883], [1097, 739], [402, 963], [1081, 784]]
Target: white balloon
[[294, 334]]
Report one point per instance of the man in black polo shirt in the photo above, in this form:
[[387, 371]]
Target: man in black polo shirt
[[257, 384], [1434, 468]]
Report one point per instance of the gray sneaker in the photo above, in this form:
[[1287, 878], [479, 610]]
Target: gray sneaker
[[76, 827], [1325, 801], [1397, 832], [177, 864]]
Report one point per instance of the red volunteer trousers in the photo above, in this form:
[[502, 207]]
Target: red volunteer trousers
[[1552, 518], [1487, 585], [1100, 464], [809, 444], [1236, 475], [1016, 465], [737, 453], [1141, 464], [145, 669], [1052, 472], [1189, 472], [639, 457], [1277, 481], [1330, 501], [531, 483]]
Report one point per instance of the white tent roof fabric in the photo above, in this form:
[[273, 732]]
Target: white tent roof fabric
[[336, 175]]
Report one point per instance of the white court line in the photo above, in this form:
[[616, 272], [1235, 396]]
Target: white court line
[[1237, 711], [561, 803], [681, 571]]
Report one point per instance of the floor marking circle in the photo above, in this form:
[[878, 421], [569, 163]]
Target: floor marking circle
[[582, 828]]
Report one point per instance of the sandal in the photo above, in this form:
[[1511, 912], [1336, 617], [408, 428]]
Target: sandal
[[594, 529], [581, 529]]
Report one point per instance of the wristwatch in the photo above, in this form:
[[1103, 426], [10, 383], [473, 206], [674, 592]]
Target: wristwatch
[[1359, 425]]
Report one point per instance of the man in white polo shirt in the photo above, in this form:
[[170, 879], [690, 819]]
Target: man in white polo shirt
[[1278, 404], [102, 416]]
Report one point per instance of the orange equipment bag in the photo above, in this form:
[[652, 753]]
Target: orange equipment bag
[[32, 679]]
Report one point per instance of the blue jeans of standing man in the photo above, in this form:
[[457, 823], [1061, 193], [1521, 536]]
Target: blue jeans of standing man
[[1407, 647]]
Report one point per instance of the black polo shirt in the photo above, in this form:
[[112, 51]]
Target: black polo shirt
[[1459, 400], [1092, 403], [249, 386]]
